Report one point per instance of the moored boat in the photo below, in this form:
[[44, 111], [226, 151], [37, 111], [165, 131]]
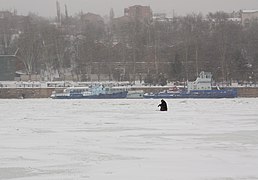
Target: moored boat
[[135, 94], [200, 88], [91, 92]]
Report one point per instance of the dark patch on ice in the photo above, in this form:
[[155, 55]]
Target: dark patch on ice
[[42, 131], [16, 159], [20, 172], [100, 156], [241, 137], [183, 102], [109, 129], [15, 172], [110, 123], [121, 104]]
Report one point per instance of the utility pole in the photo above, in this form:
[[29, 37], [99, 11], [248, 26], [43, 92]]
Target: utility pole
[[58, 11], [66, 14]]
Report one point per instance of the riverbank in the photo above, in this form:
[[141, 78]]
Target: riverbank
[[45, 92]]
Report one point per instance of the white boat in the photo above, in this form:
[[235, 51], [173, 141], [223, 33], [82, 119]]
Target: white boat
[[135, 94], [92, 92], [200, 88]]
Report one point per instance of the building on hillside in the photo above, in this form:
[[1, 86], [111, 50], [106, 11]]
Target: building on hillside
[[159, 17], [92, 18], [247, 16], [235, 20], [162, 17], [142, 13], [122, 25], [6, 14], [7, 67], [94, 21]]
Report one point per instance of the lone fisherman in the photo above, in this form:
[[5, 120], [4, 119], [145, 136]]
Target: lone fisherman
[[163, 105]]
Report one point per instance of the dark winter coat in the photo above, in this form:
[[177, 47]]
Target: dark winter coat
[[163, 106]]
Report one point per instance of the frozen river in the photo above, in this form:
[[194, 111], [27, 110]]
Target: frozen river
[[45, 139]]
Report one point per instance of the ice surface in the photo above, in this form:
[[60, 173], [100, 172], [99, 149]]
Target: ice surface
[[129, 139]]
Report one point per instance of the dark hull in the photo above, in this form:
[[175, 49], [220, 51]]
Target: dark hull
[[229, 93], [100, 96]]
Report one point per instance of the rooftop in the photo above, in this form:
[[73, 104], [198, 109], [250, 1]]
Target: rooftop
[[249, 11]]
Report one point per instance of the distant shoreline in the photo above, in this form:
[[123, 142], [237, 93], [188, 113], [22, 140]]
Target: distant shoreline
[[45, 92]]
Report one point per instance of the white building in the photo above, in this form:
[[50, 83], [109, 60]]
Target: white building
[[248, 16]]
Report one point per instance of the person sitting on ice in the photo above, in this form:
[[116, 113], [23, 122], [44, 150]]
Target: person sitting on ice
[[163, 105]]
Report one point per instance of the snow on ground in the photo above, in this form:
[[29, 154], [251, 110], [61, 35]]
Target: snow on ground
[[129, 139]]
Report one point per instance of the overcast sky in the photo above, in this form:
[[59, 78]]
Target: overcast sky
[[181, 7]]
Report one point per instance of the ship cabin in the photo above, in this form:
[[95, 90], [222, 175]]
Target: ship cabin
[[203, 82]]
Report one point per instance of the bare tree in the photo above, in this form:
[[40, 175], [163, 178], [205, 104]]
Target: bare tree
[[29, 44]]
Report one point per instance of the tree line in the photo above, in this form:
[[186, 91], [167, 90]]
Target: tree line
[[129, 49]]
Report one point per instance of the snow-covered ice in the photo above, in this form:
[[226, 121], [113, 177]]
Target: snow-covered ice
[[201, 139]]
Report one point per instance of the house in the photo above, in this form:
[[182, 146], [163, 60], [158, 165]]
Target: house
[[141, 13], [7, 67], [6, 14], [248, 16], [92, 19]]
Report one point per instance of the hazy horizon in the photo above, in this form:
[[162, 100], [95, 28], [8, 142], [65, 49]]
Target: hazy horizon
[[47, 8]]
